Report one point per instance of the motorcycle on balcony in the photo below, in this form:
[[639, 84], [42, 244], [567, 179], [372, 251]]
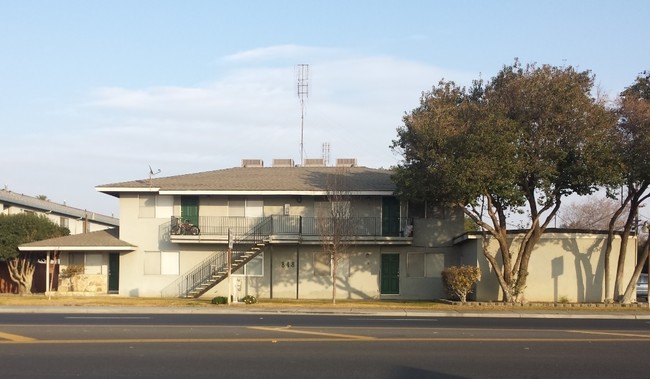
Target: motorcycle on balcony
[[183, 227]]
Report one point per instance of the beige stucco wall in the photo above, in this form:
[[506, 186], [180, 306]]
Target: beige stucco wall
[[362, 279], [438, 231], [563, 266], [287, 277]]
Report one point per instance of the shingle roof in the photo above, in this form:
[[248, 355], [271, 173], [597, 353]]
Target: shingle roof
[[264, 179], [49, 206], [99, 240]]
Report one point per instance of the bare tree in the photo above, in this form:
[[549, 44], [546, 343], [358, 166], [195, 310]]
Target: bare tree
[[21, 271], [334, 222], [592, 214]]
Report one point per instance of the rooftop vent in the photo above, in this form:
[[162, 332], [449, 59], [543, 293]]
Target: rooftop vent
[[283, 163], [252, 163], [315, 162], [346, 162]]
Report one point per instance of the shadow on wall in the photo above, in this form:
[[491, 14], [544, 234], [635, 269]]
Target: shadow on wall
[[589, 281]]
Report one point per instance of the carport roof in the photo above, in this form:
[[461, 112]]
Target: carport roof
[[102, 240]]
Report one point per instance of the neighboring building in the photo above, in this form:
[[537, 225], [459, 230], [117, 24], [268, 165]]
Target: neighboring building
[[80, 222], [75, 219], [95, 256], [277, 218]]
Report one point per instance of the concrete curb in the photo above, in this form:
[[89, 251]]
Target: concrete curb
[[10, 309]]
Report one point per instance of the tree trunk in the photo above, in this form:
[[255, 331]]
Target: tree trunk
[[526, 251], [21, 271], [609, 245], [618, 283], [334, 269], [503, 274], [631, 286], [504, 271]]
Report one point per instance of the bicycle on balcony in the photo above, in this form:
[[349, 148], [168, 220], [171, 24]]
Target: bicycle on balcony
[[183, 227]]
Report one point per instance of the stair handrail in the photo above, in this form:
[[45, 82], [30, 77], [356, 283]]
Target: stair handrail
[[200, 272], [205, 269], [258, 233]]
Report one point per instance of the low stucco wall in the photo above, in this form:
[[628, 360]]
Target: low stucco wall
[[563, 267]]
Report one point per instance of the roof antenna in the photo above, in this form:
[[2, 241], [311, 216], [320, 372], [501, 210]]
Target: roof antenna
[[151, 174], [302, 71]]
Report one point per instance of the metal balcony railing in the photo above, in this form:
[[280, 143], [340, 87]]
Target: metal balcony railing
[[298, 226]]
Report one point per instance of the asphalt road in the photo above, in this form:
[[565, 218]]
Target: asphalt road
[[318, 346]]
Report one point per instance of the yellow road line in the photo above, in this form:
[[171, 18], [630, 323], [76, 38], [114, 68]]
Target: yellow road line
[[310, 339], [15, 337], [335, 335]]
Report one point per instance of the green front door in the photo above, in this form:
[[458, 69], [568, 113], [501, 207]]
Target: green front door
[[390, 274], [389, 216], [114, 273], [190, 209]]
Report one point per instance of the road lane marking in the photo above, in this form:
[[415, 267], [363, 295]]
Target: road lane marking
[[288, 330], [15, 337], [610, 333], [395, 319], [107, 318]]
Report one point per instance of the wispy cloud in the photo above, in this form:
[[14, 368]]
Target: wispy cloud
[[280, 52], [355, 104]]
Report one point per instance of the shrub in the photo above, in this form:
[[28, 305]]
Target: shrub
[[459, 280], [220, 300], [71, 271], [249, 299]]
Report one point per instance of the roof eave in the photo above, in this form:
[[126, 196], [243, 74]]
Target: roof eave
[[115, 191], [272, 192], [110, 190], [76, 248]]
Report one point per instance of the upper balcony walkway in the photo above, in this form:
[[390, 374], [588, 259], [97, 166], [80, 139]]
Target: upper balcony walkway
[[291, 229]]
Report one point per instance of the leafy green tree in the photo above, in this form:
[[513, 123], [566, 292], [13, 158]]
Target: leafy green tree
[[633, 139], [19, 229], [519, 143]]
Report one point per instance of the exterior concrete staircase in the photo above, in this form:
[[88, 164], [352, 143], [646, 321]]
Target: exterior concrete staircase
[[214, 269], [219, 272]]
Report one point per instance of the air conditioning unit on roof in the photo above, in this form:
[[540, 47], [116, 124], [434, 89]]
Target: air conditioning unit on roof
[[346, 162], [252, 163], [314, 162], [283, 163]]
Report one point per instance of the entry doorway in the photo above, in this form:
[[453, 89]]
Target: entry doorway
[[114, 273], [390, 212], [390, 274], [190, 209]]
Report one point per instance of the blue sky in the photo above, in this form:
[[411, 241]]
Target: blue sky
[[93, 92]]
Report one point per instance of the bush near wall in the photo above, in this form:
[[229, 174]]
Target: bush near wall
[[459, 280]]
